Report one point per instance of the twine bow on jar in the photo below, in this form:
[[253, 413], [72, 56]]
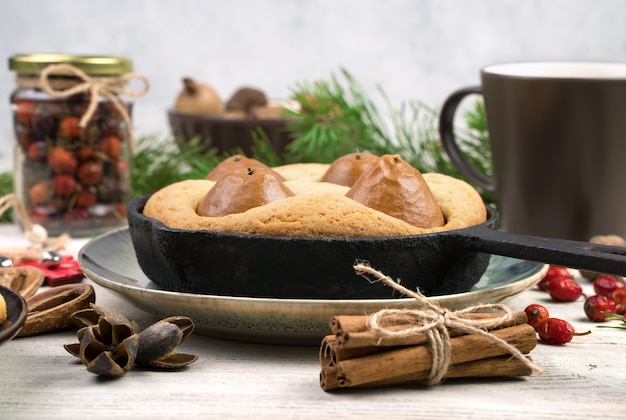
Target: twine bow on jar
[[436, 321], [110, 87]]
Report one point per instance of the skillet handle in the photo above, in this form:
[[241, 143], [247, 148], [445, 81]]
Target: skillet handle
[[573, 254]]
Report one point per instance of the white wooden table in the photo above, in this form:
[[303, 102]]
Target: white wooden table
[[38, 378]]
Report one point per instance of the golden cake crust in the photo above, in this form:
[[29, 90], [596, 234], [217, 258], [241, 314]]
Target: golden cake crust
[[317, 210]]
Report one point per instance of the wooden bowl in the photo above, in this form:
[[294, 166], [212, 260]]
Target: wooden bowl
[[16, 314], [228, 133]]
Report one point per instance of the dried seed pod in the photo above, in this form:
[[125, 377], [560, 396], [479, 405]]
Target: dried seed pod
[[158, 342], [92, 314], [24, 280], [108, 348], [85, 318], [109, 345], [52, 309], [107, 360]]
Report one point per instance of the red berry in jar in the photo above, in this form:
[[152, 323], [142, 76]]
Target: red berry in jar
[[40, 193], [63, 185], [69, 127], [84, 153], [536, 314], [76, 175], [564, 289], [553, 271], [555, 331], [24, 112], [595, 305], [25, 139], [112, 146], [86, 198], [619, 297], [605, 284], [90, 173], [62, 161], [38, 150], [42, 126]]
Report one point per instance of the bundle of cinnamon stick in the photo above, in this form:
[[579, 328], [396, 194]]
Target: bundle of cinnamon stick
[[356, 355]]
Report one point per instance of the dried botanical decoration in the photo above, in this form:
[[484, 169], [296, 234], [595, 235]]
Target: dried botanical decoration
[[24, 280], [108, 348], [52, 309], [109, 344], [158, 342]]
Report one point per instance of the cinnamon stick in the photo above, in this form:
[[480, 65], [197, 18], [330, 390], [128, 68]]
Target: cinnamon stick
[[411, 360], [491, 367], [342, 324], [331, 351], [368, 337]]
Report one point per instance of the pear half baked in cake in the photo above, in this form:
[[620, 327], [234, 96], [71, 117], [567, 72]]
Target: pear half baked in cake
[[392, 186], [348, 168], [241, 189]]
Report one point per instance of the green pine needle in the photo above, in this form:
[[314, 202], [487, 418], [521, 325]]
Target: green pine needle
[[6, 187]]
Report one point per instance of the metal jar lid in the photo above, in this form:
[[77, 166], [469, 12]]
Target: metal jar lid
[[32, 64]]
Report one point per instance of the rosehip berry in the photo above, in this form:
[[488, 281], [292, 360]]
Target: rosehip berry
[[24, 111], [42, 125], [112, 146], [619, 297], [38, 150], [40, 193], [63, 185], [84, 153], [595, 305], [555, 331], [564, 289], [605, 284], [90, 173], [62, 161], [553, 271], [85, 198], [25, 139], [536, 314], [69, 127]]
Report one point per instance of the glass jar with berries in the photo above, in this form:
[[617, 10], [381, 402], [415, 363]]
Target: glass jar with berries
[[73, 140]]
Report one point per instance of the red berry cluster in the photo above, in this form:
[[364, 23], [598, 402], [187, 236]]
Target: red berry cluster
[[72, 178], [556, 331], [560, 284], [610, 298], [551, 330]]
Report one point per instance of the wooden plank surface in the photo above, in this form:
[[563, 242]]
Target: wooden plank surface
[[38, 378]]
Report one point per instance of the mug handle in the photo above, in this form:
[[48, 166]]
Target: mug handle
[[448, 139]]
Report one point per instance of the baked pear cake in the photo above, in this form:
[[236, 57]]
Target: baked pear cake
[[358, 195]]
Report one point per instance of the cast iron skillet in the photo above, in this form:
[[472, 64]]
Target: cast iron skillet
[[322, 268]]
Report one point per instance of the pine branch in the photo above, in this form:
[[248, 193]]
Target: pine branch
[[339, 117]]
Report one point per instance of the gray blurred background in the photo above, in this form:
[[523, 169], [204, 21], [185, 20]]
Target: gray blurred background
[[419, 49]]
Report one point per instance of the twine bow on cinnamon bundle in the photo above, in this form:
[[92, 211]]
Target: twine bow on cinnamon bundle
[[427, 344]]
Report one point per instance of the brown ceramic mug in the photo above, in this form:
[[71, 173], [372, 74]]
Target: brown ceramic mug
[[557, 133]]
